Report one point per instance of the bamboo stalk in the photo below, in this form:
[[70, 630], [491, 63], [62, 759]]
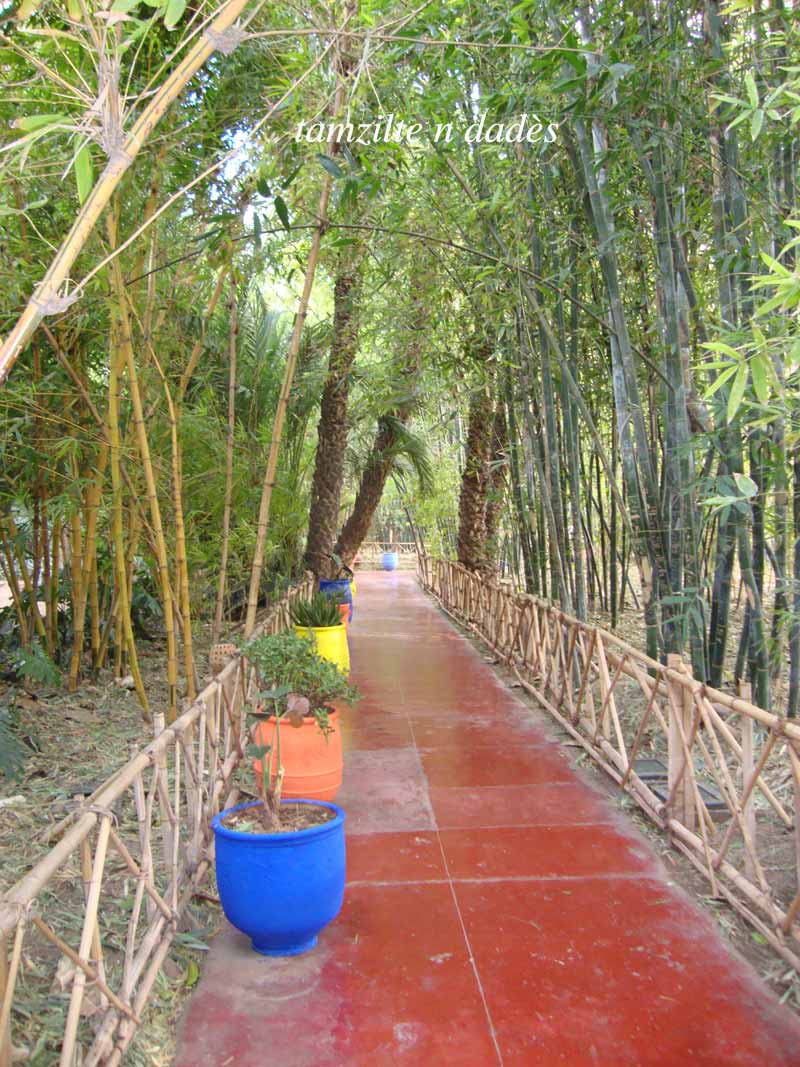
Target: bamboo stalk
[[226, 510], [123, 616], [181, 562], [22, 568], [291, 363], [126, 348], [88, 574], [7, 568], [46, 299], [197, 348]]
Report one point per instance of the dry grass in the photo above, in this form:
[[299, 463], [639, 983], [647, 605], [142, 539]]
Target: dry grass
[[81, 739]]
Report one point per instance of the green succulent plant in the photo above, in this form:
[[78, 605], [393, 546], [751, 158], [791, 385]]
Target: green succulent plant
[[317, 612]]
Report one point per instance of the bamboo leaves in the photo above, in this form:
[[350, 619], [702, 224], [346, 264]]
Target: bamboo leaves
[[173, 13], [84, 172], [737, 391], [739, 371]]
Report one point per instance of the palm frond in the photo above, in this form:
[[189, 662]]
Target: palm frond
[[411, 447]]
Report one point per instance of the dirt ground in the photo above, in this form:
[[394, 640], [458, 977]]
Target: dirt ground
[[77, 741]]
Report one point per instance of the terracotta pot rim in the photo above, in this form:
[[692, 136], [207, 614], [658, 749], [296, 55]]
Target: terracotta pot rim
[[308, 720]]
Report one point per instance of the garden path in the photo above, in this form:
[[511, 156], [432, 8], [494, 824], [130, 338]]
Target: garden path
[[499, 910]]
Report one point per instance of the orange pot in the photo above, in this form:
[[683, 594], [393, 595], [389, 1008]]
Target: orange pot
[[344, 612], [312, 761]]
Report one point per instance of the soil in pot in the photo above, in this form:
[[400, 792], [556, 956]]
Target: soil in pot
[[294, 817]]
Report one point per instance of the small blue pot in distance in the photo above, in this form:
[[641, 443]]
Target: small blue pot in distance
[[332, 587], [281, 889], [390, 561]]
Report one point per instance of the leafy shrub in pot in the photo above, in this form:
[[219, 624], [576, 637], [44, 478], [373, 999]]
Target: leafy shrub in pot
[[312, 749], [281, 866]]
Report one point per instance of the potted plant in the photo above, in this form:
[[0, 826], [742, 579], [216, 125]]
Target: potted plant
[[319, 619], [340, 587], [280, 863], [312, 745]]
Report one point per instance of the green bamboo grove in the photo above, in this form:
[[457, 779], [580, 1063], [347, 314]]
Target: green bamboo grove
[[543, 321]]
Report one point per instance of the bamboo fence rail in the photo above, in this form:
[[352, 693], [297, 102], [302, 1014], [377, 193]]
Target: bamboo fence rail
[[141, 846], [718, 773]]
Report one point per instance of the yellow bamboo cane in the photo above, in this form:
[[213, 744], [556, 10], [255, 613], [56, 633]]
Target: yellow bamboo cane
[[46, 298], [226, 510], [123, 618], [91, 509], [291, 359], [143, 444]]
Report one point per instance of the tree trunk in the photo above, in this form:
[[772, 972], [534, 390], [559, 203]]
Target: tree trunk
[[794, 630], [522, 514], [370, 491], [498, 469], [471, 547], [326, 487], [381, 459]]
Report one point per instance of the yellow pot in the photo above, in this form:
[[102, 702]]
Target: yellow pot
[[331, 643]]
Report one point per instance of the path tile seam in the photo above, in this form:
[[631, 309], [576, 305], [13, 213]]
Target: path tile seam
[[472, 961], [620, 876]]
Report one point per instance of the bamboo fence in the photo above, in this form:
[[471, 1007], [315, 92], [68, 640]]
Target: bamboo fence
[[718, 773], [371, 552], [141, 845]]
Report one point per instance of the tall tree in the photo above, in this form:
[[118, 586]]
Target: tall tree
[[326, 487]]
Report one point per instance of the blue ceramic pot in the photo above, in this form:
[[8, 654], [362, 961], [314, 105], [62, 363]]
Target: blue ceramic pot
[[389, 561], [338, 587], [281, 889]]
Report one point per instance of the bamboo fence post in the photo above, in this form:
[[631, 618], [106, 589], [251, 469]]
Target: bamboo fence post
[[560, 646], [679, 709], [87, 937], [793, 749], [86, 874], [5, 1033], [11, 970], [748, 764]]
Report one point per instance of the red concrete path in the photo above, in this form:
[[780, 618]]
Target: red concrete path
[[498, 909]]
